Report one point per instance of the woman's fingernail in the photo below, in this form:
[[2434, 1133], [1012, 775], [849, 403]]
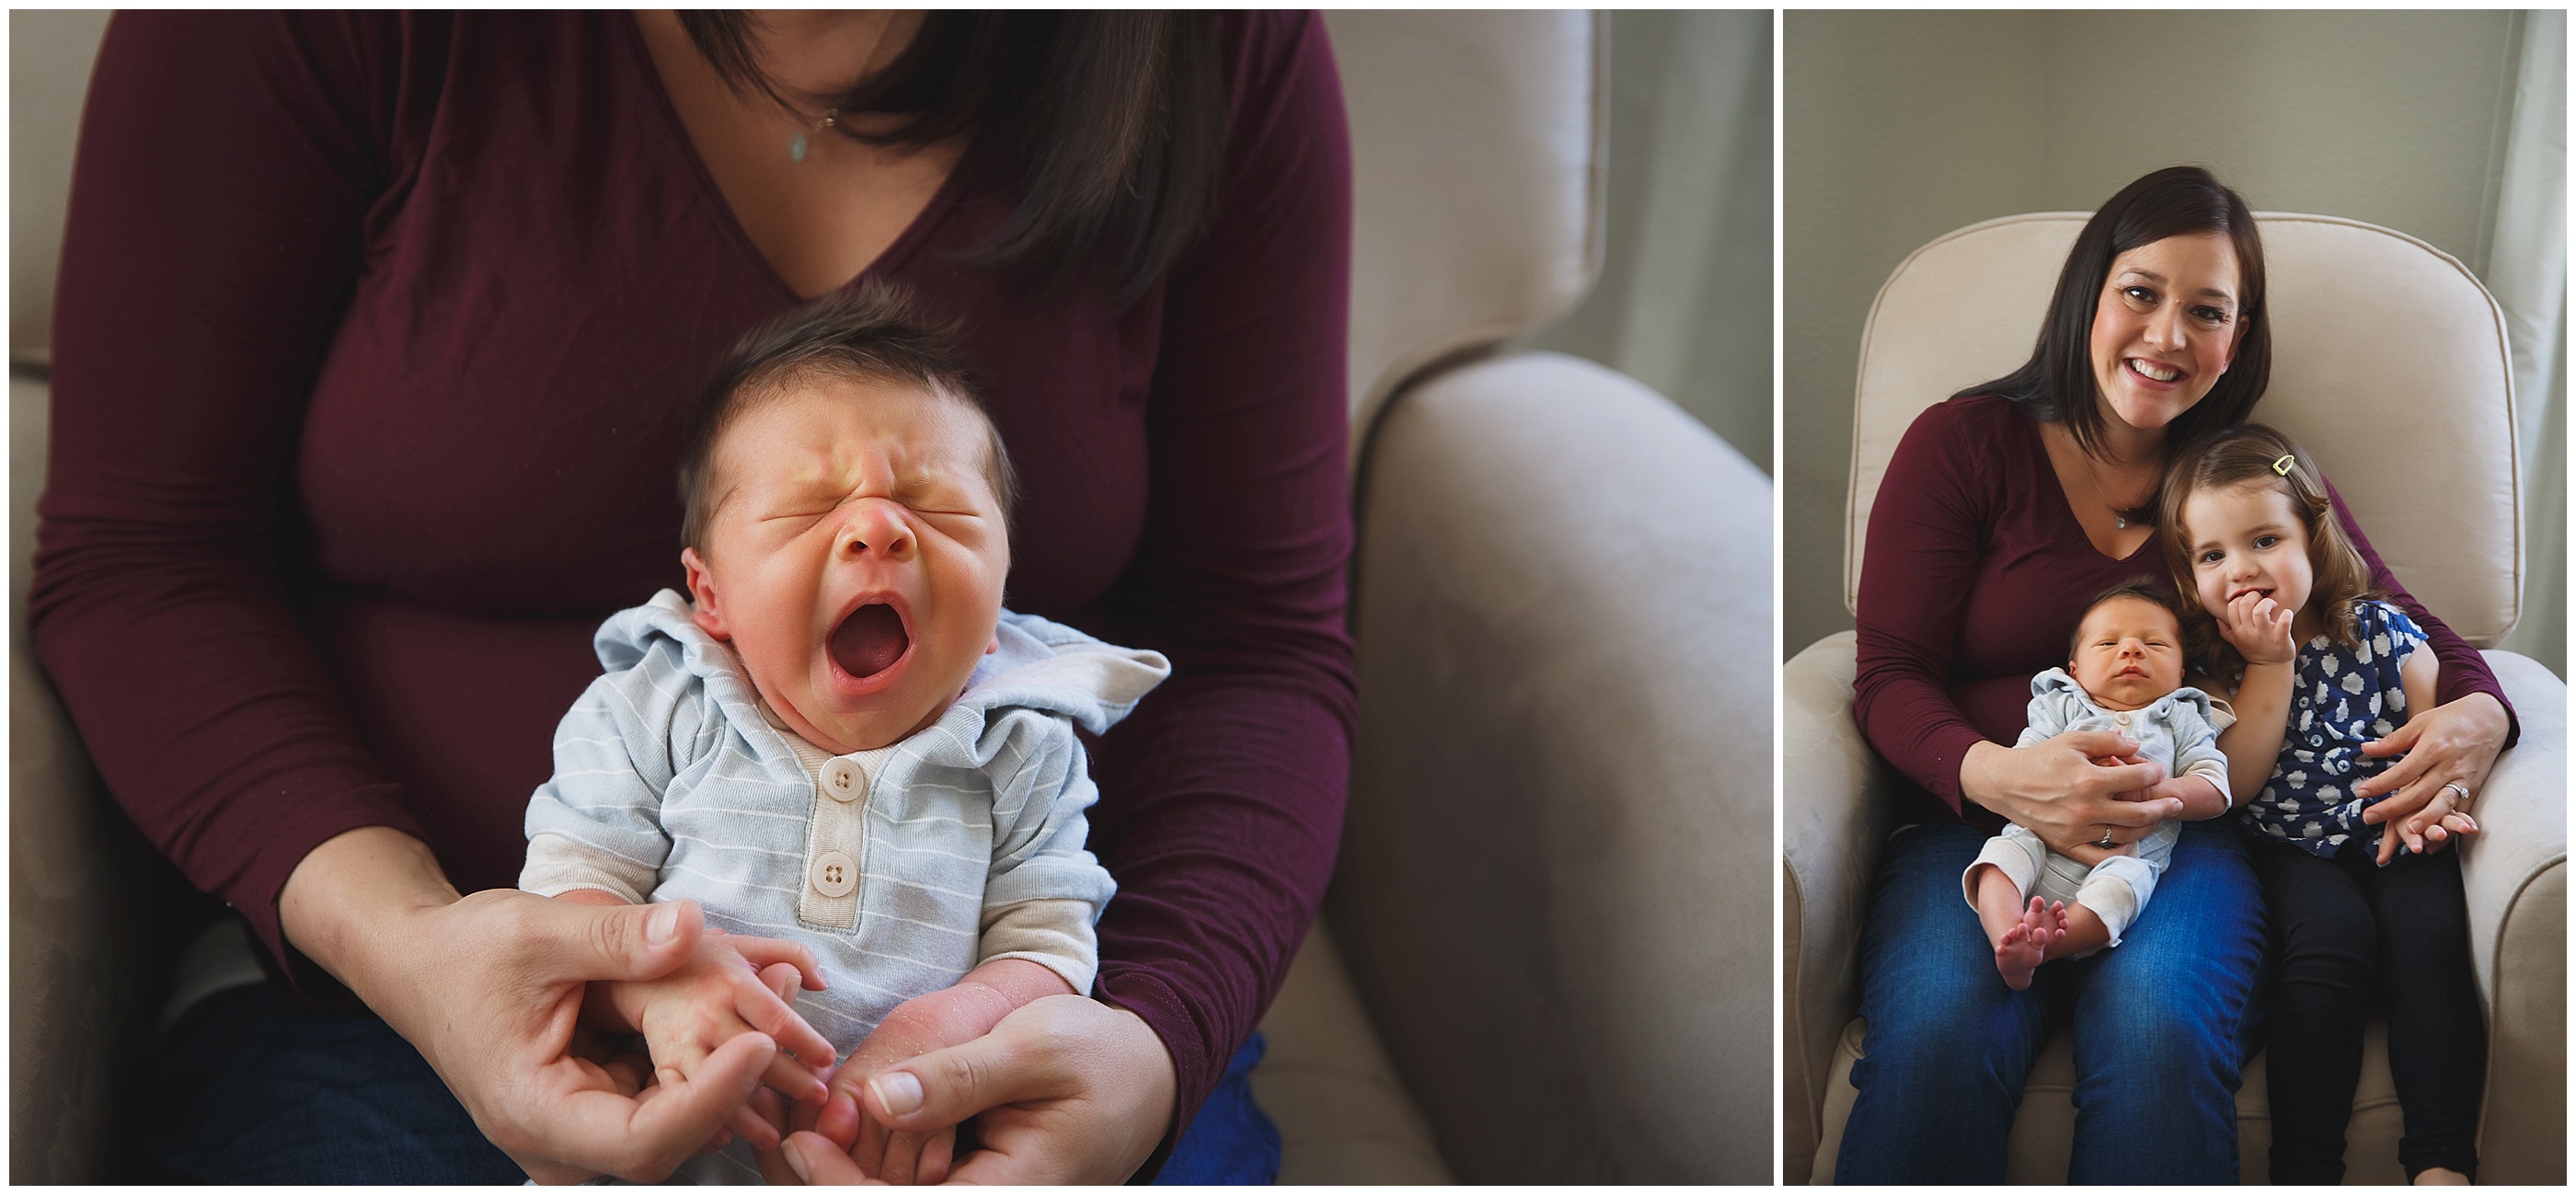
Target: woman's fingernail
[[796, 1161], [898, 1091], [662, 926]]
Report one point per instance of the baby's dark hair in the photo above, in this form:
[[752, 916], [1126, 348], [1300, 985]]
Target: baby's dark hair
[[869, 331], [2252, 454], [2140, 588]]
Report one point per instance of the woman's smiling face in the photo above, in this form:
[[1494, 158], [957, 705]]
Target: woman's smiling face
[[2165, 327]]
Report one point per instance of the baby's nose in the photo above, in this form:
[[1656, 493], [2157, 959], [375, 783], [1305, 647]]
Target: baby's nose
[[877, 528]]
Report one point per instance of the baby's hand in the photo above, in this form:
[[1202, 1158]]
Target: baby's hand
[[2258, 628], [730, 986]]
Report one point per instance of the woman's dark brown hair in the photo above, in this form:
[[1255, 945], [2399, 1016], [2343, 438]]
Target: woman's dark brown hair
[[1110, 126], [2252, 454], [2057, 384]]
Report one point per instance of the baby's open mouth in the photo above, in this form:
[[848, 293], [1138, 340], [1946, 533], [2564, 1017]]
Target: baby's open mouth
[[869, 641]]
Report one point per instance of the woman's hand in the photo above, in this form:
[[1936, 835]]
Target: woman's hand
[[1066, 1090], [2453, 743], [489, 988], [2056, 790]]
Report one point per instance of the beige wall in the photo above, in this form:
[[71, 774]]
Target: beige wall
[[1899, 127]]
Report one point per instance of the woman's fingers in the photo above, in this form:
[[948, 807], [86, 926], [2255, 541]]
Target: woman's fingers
[[817, 1161], [2400, 773], [2094, 744], [938, 1156], [870, 1150], [563, 940], [900, 1163], [942, 1087], [644, 1139], [2416, 829]]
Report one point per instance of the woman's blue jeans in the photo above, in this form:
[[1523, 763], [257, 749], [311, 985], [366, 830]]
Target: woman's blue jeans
[[247, 1088], [2159, 1023]]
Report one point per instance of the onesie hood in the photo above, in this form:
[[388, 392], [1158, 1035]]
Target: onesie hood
[[1048, 666]]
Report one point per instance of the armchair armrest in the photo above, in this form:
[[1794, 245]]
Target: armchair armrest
[[79, 962], [1832, 822], [2516, 874], [1554, 881]]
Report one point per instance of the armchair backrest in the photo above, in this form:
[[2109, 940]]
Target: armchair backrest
[[1477, 155], [2388, 363], [50, 53]]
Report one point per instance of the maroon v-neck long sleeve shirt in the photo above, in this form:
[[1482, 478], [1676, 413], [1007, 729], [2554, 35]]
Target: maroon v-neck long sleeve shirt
[[1973, 578], [372, 347]]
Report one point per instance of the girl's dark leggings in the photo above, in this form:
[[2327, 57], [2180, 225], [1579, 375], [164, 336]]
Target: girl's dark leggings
[[2347, 935]]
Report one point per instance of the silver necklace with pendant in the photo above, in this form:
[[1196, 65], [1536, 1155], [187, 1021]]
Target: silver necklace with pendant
[[2093, 473], [796, 144]]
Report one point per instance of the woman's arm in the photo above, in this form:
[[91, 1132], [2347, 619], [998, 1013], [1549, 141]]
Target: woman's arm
[[205, 264], [1927, 531], [1241, 580]]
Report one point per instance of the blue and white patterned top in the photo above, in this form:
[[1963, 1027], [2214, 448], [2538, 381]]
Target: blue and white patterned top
[[2341, 698]]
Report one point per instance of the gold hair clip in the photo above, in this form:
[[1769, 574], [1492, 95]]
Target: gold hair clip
[[2282, 466]]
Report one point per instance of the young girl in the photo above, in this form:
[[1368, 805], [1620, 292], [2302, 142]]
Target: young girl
[[2321, 667]]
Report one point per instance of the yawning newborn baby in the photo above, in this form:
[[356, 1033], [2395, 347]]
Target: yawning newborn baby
[[839, 739]]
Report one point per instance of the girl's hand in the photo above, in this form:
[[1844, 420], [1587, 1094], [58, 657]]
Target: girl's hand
[[2428, 830], [2259, 629], [2454, 743], [2058, 792]]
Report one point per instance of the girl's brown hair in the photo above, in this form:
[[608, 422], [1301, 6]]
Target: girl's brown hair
[[2253, 454]]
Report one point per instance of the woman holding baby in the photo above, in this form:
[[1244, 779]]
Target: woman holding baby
[[2004, 511], [426, 296]]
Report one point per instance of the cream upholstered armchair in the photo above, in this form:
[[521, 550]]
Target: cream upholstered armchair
[[1547, 903], [2371, 329]]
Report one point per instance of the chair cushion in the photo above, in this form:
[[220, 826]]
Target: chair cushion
[[2043, 1133]]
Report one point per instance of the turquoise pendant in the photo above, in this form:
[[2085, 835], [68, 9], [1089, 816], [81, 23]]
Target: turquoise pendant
[[796, 148]]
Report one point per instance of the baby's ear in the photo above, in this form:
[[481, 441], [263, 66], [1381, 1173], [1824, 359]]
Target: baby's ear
[[702, 596], [994, 644]]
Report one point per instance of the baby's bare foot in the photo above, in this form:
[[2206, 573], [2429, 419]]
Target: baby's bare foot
[[2025, 945], [2016, 955]]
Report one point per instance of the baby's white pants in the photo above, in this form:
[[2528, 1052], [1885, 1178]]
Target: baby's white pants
[[2116, 889]]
